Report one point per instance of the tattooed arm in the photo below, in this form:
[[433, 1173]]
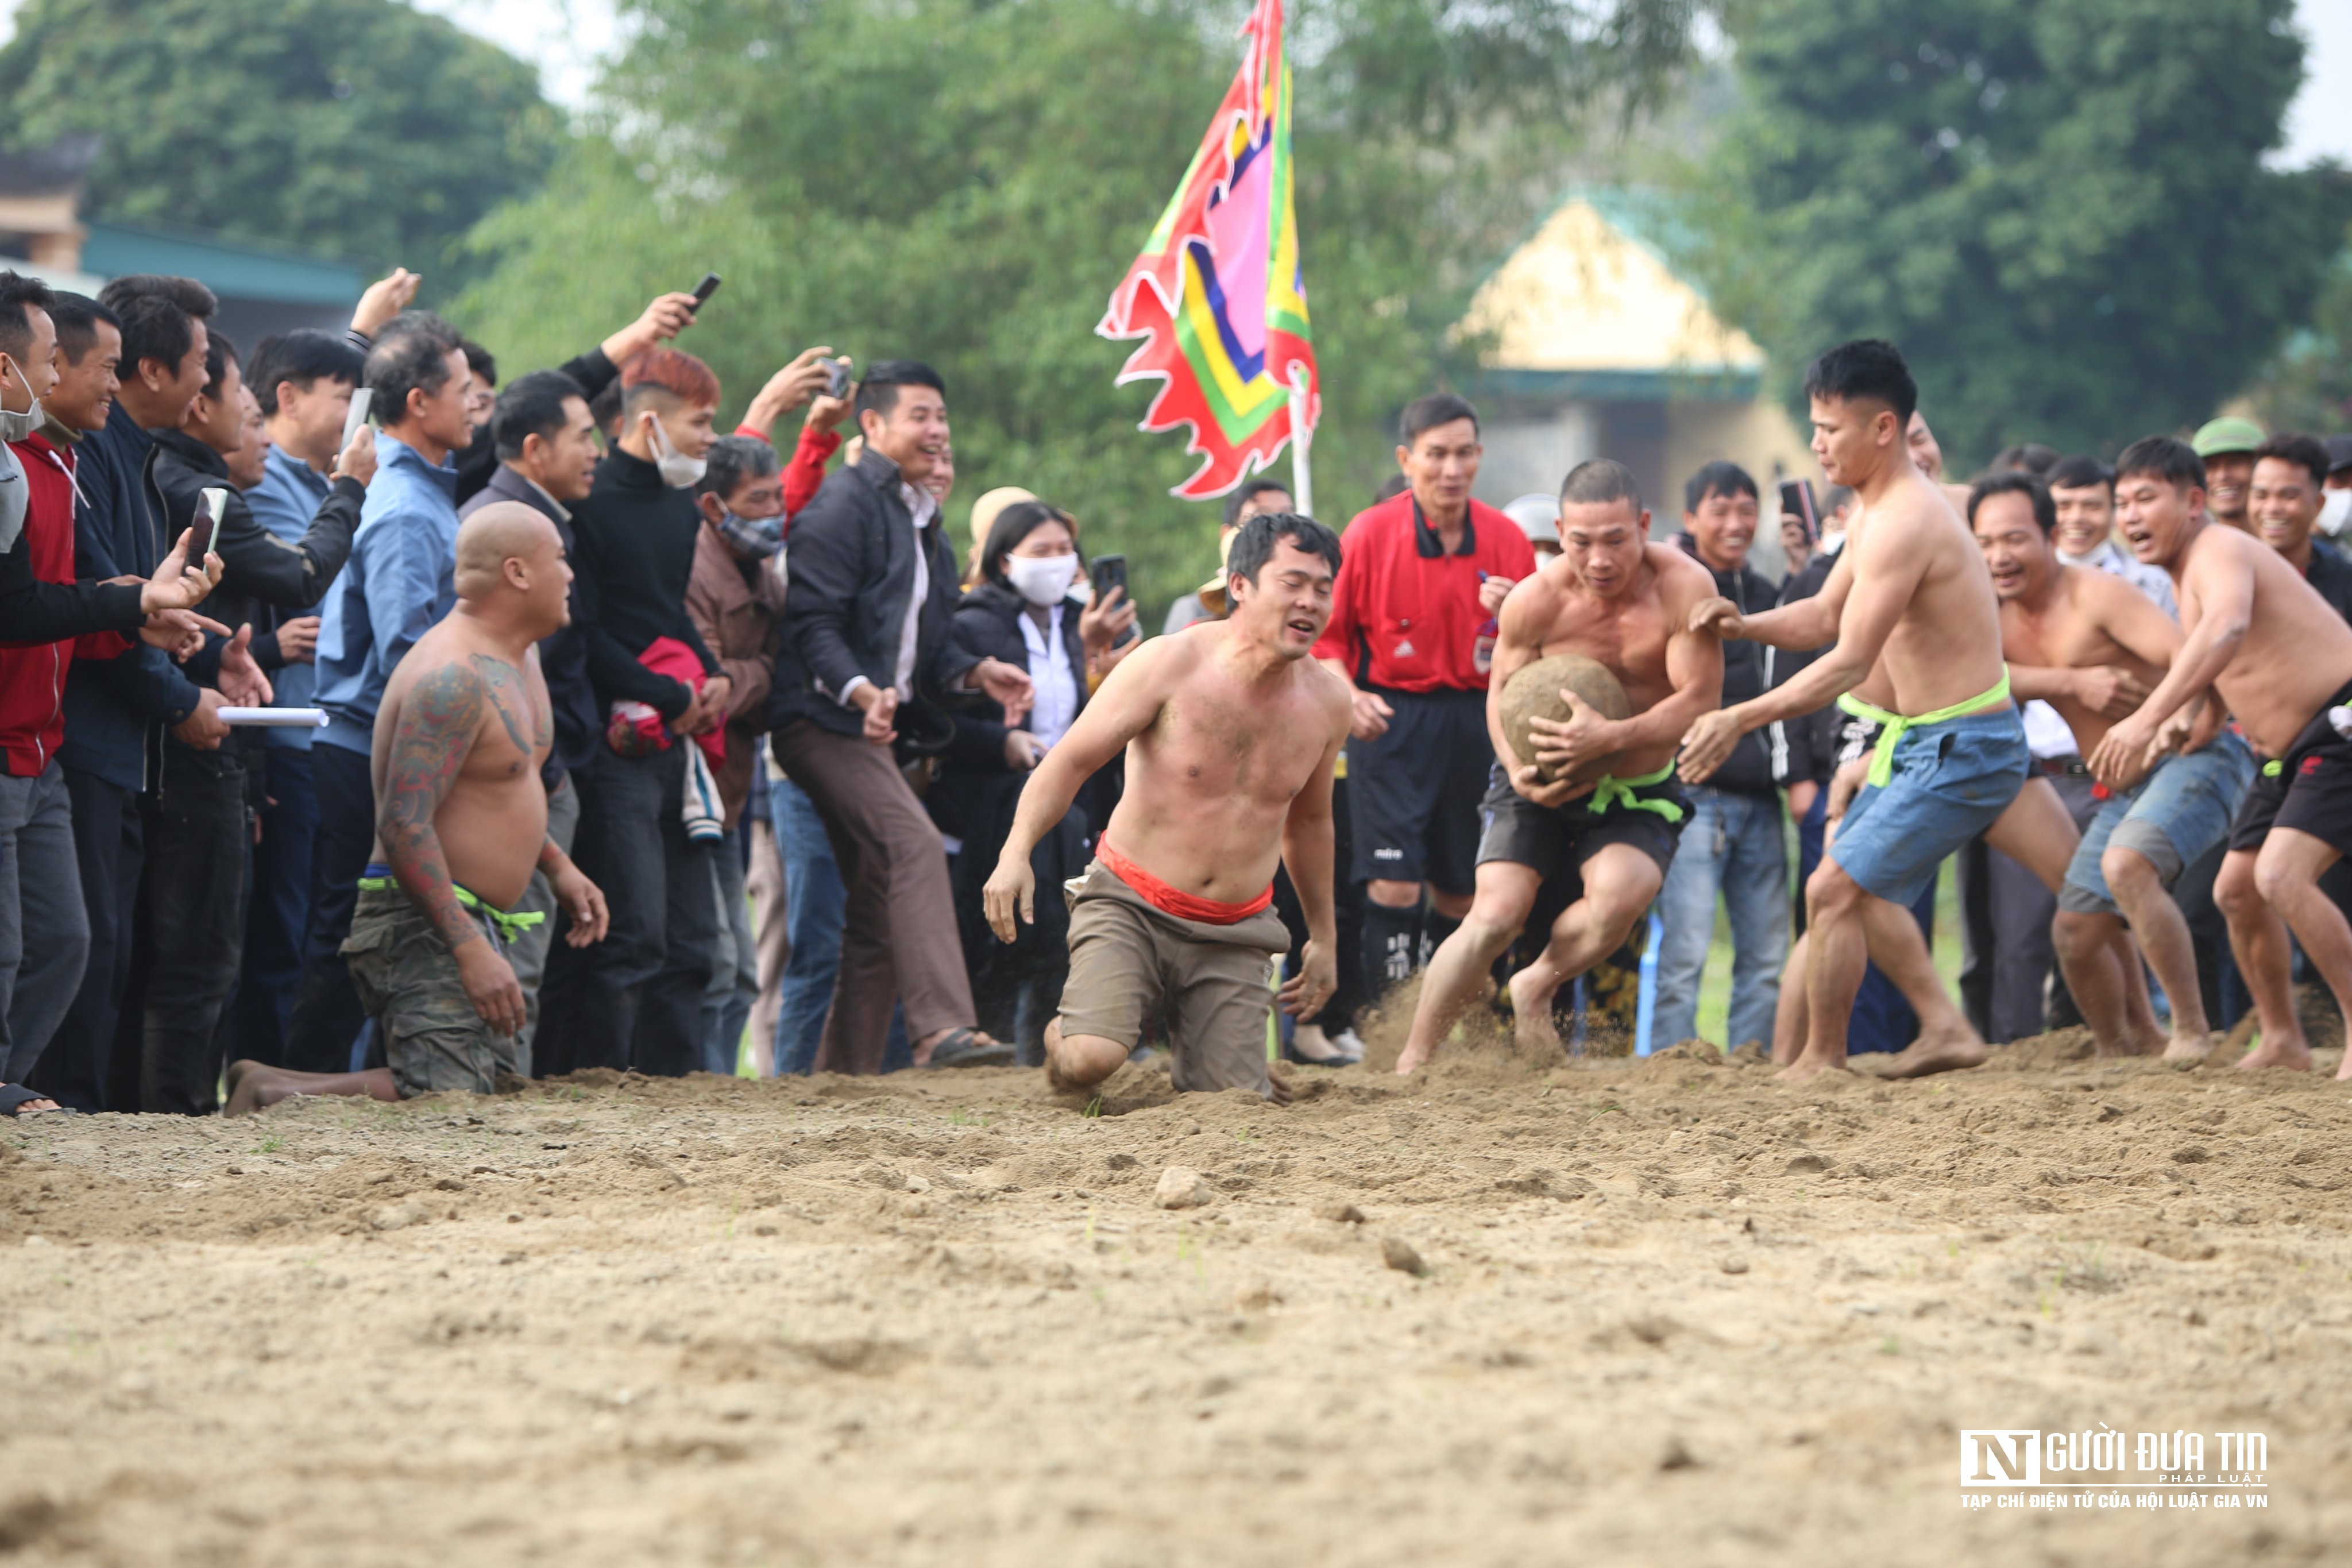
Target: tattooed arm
[[438, 720]]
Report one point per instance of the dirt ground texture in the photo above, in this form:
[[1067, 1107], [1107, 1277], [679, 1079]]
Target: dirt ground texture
[[1512, 1312]]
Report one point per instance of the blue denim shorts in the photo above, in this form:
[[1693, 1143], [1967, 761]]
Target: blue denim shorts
[[1951, 780], [2177, 812]]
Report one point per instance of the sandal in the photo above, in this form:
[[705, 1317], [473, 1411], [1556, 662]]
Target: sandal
[[965, 1048], [14, 1097]]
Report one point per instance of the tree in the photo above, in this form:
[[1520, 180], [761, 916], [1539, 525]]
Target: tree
[[356, 126], [2057, 208], [2309, 384], [964, 180]]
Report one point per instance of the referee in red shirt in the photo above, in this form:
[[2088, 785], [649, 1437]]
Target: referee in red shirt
[[1413, 628]]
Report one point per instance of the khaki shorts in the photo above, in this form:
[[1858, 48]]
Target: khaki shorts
[[1128, 958], [407, 981]]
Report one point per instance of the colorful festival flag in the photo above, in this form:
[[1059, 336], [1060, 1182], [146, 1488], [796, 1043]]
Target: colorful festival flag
[[1216, 294]]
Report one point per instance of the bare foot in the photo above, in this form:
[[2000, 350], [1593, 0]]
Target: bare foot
[[1279, 1085], [1413, 1058], [2344, 1073], [2292, 1053], [1531, 1015], [1809, 1066], [2188, 1050], [2147, 1045], [247, 1080], [1948, 1054]]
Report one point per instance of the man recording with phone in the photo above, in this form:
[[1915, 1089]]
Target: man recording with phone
[[664, 317], [192, 897], [866, 651]]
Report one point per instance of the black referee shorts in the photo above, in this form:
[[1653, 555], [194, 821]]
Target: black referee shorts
[[1415, 791]]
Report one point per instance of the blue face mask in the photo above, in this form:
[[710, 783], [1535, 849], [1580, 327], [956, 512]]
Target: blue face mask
[[758, 537]]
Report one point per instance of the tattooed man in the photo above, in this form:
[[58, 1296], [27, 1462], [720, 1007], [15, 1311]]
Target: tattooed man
[[461, 823]]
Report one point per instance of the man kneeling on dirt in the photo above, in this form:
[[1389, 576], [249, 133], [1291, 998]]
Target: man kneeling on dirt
[[1230, 731], [461, 823]]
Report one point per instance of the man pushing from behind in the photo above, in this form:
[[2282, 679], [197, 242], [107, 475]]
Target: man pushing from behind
[[461, 823], [1230, 732], [2282, 660]]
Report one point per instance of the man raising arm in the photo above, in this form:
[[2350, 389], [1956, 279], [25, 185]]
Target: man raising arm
[[1230, 731]]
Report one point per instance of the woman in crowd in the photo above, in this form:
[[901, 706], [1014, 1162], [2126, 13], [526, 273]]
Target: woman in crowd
[[1023, 610]]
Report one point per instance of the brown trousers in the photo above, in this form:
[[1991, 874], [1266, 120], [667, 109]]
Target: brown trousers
[[899, 939]]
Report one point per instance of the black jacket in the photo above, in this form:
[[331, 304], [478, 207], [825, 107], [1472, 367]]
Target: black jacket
[[988, 626], [116, 708], [1748, 769], [2331, 575], [1804, 747], [260, 572], [851, 566], [976, 793], [633, 554], [564, 655], [479, 461]]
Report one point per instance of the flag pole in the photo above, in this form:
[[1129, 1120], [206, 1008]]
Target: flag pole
[[1302, 469]]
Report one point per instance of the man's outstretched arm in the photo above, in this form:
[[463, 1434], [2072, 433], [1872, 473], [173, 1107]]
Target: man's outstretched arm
[[438, 720], [1127, 704], [2225, 586], [1872, 611], [1798, 627]]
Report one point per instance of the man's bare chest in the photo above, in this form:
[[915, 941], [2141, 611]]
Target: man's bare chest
[[1224, 744]]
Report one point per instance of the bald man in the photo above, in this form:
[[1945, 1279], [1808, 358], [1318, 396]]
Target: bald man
[[461, 823]]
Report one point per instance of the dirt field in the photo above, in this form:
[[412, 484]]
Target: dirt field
[[1665, 1313]]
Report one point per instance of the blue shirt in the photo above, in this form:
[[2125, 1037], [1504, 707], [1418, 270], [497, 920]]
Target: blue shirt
[[284, 502], [400, 581]]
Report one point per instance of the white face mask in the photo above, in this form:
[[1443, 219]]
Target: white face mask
[[17, 426], [679, 471], [2335, 512], [1041, 579]]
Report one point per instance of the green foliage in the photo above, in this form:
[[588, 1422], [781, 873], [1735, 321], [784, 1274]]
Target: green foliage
[[2308, 385], [2057, 208], [356, 126], [963, 182]]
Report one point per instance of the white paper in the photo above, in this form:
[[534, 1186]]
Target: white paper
[[277, 718]]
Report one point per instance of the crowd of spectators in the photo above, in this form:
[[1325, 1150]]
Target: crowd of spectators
[[791, 718]]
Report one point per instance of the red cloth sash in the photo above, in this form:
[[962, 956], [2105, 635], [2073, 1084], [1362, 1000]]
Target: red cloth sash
[[1171, 901]]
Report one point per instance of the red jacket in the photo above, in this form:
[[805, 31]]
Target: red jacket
[[33, 676], [804, 470], [1405, 616]]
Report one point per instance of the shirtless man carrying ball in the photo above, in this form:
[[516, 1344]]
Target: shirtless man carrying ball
[[461, 823], [1231, 730], [1625, 603]]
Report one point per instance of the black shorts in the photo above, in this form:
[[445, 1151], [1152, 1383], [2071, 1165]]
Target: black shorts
[[1414, 791], [2309, 789], [1557, 840]]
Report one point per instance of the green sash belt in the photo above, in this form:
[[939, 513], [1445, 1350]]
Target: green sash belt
[[1882, 756], [510, 926], [1612, 792]]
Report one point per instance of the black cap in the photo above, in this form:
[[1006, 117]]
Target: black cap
[[2339, 453]]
